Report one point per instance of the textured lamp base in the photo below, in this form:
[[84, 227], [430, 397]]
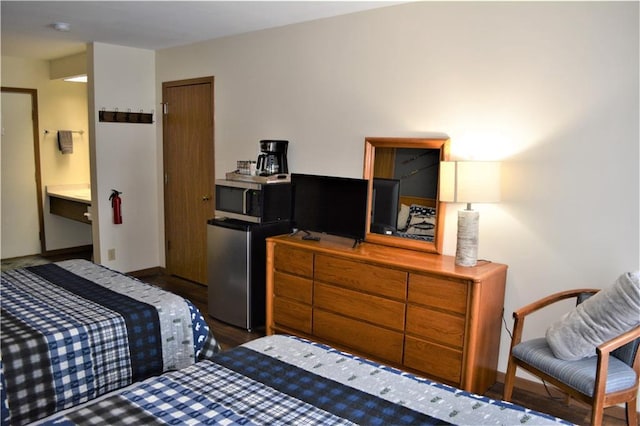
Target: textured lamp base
[[467, 245]]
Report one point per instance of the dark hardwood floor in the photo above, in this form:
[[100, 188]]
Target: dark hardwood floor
[[230, 336]]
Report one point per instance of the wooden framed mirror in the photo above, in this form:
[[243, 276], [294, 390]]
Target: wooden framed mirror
[[403, 208]]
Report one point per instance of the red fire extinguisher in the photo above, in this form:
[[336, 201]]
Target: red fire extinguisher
[[116, 203]]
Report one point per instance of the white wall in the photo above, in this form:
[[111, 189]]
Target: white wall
[[549, 88], [124, 157], [61, 106]]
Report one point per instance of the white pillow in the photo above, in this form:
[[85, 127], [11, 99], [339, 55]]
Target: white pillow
[[403, 217], [603, 316]]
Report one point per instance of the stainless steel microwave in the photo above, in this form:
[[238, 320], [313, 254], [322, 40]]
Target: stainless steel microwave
[[253, 202]]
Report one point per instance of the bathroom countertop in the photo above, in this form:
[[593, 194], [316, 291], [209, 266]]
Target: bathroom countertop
[[73, 192]]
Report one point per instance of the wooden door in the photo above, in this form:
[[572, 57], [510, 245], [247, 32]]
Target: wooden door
[[188, 138], [22, 218]]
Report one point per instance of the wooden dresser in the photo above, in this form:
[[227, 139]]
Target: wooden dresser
[[413, 310]]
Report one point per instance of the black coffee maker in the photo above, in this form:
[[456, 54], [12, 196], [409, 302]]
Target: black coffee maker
[[273, 157]]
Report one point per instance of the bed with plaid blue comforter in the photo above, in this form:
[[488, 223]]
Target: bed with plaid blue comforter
[[278, 380], [72, 331]]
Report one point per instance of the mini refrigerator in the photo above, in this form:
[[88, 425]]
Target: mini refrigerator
[[236, 258]]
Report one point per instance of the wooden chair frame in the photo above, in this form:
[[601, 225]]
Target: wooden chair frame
[[600, 399]]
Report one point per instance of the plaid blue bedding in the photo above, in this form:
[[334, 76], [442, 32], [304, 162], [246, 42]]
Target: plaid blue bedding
[[348, 403], [75, 330], [284, 380]]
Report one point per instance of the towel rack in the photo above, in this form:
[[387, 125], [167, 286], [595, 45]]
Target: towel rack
[[46, 132]]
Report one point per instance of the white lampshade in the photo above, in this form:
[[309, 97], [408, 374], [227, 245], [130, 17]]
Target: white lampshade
[[470, 181]]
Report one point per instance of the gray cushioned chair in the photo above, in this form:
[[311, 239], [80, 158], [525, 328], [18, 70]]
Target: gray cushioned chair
[[608, 379]]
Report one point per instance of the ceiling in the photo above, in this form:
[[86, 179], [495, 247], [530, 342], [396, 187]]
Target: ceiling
[[27, 26]]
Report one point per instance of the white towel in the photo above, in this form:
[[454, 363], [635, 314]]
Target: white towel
[[65, 141]]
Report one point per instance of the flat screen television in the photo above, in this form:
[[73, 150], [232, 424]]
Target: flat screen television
[[329, 204], [385, 205]]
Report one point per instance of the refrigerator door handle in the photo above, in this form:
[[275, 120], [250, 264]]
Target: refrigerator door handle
[[244, 200]]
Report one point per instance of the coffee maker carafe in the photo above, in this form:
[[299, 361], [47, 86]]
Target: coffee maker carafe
[[273, 157]]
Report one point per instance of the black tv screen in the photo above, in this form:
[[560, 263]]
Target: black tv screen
[[331, 205]]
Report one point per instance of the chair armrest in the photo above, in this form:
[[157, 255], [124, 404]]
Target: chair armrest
[[618, 341], [553, 298], [520, 314], [604, 350]]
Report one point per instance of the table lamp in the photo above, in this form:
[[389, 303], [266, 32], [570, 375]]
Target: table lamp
[[469, 182]]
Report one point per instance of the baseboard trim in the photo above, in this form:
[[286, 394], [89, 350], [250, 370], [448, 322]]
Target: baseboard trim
[[157, 270], [528, 385]]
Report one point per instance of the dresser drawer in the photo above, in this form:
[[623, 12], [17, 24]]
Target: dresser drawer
[[434, 360], [438, 292], [294, 261], [360, 276], [293, 287], [365, 338], [287, 313], [365, 307], [435, 325]]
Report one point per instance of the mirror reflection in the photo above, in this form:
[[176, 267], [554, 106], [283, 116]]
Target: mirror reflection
[[403, 179]]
